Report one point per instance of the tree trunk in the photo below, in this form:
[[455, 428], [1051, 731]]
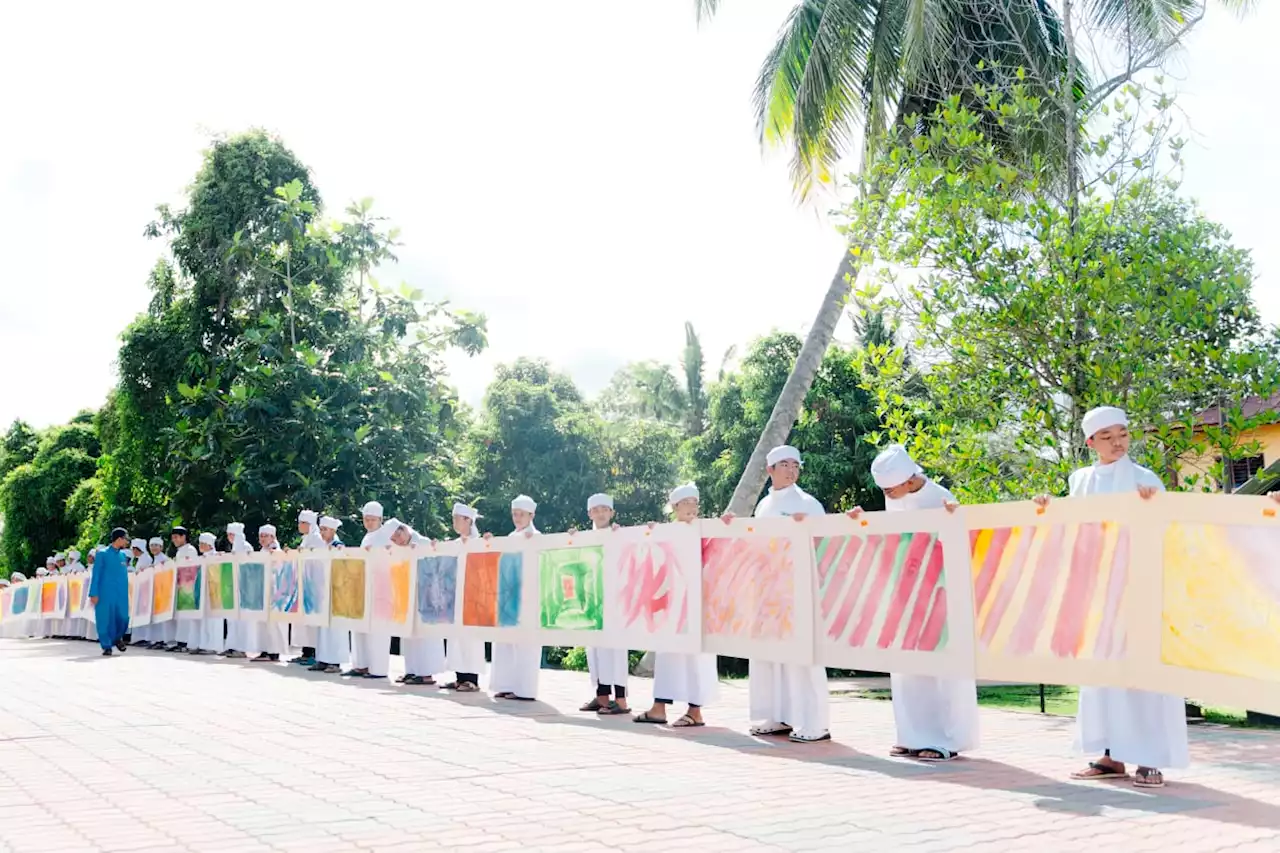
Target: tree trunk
[[791, 401]]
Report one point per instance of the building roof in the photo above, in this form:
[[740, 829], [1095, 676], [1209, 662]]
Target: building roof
[[1251, 407]]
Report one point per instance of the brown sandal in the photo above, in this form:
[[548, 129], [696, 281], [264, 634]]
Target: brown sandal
[[593, 705]]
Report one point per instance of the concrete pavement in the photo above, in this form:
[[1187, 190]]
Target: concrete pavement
[[149, 751]]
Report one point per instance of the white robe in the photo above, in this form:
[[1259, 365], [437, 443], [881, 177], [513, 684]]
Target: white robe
[[422, 656], [269, 638], [240, 636], [608, 667], [931, 712], [787, 693], [332, 646], [1139, 727], [466, 654], [691, 679], [307, 635], [165, 632], [516, 666], [372, 651]]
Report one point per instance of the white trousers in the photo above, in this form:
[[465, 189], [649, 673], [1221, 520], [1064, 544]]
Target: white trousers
[[515, 669], [466, 656], [262, 637], [607, 667], [304, 636], [333, 646], [371, 652], [935, 713], [790, 694], [209, 636], [1142, 728], [422, 656], [691, 679]]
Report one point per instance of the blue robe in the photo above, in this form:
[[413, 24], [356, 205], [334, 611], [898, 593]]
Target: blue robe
[[110, 584]]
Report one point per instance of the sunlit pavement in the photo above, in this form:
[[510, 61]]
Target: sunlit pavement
[[149, 751]]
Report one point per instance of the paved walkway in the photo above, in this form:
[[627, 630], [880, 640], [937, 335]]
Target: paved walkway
[[158, 752]]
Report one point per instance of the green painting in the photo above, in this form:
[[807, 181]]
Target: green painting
[[572, 588]]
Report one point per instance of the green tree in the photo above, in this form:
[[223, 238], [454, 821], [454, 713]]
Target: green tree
[[535, 435], [18, 446], [692, 363], [883, 67], [645, 389], [643, 460], [1030, 311]]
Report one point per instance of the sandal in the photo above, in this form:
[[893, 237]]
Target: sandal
[[902, 752], [405, 678], [467, 687], [593, 705], [687, 722], [647, 718], [611, 709], [355, 673], [796, 737], [505, 694], [332, 669], [938, 754], [371, 675], [1097, 772], [318, 667], [1148, 777], [778, 730]]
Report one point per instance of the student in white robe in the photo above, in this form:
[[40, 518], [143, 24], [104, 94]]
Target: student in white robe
[[75, 624], [423, 657], [333, 647], [304, 636], [1126, 726], [269, 639], [515, 669], [39, 626], [787, 699], [607, 668], [6, 624], [692, 679], [166, 632], [186, 631], [208, 637], [90, 626], [936, 718], [241, 638], [140, 636], [371, 652], [464, 656]]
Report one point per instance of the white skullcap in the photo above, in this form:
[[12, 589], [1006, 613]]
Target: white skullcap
[[679, 493], [1096, 420], [208, 539], [48, 560], [372, 508], [893, 467], [391, 525], [155, 540], [236, 527], [330, 522], [41, 572], [525, 503], [17, 577], [139, 544], [267, 528], [59, 556], [73, 554], [599, 499], [308, 516], [466, 511], [4, 581], [781, 453]]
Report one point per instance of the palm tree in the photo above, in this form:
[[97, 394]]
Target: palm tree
[[692, 363], [846, 72]]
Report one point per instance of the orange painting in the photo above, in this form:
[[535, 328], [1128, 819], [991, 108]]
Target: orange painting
[[391, 593], [480, 591], [49, 597], [162, 592], [75, 594]]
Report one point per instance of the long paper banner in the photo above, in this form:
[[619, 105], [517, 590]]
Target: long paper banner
[[1179, 594]]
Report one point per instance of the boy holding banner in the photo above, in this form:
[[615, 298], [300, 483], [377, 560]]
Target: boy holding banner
[[269, 639], [423, 657], [207, 633], [464, 656], [1126, 726], [305, 635], [514, 674], [607, 668], [370, 652], [333, 647], [936, 718], [184, 552]]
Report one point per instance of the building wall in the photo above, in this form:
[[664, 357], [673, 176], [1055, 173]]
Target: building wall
[[1268, 438]]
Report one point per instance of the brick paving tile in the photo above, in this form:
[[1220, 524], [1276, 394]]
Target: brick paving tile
[[151, 752]]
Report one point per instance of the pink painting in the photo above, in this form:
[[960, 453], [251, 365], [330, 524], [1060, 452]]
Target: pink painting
[[748, 588], [653, 589]]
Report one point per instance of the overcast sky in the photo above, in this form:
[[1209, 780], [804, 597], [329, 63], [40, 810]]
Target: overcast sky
[[584, 173]]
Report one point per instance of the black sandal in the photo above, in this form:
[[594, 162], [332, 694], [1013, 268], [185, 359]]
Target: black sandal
[[593, 705], [611, 709]]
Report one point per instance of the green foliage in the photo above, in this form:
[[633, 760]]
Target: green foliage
[[643, 459], [18, 447], [1027, 312], [645, 389]]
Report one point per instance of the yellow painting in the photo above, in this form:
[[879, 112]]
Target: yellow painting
[[346, 595], [1222, 600]]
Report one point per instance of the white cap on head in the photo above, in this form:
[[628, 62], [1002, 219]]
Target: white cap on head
[[893, 467], [391, 525], [73, 554], [466, 511], [782, 453], [59, 556], [236, 527], [156, 540], [525, 503], [139, 544], [267, 528], [679, 493], [599, 499], [17, 577], [48, 560], [4, 581], [330, 522], [1096, 420], [41, 572], [373, 509], [209, 538], [308, 516]]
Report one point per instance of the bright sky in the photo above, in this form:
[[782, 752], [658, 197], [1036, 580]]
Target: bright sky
[[585, 173]]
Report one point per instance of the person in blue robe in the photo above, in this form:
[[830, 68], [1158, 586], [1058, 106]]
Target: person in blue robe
[[109, 592]]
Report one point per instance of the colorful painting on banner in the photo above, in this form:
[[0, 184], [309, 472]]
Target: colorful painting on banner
[[220, 588], [571, 592], [189, 597], [653, 588], [162, 590], [251, 591], [21, 596], [1051, 590], [286, 586], [140, 607], [751, 604], [1221, 605], [882, 591], [491, 590], [348, 583], [437, 588], [315, 592], [75, 594], [392, 609], [49, 599], [63, 599]]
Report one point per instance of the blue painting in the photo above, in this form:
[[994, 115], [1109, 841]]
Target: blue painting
[[315, 588], [253, 587], [510, 578], [437, 589]]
